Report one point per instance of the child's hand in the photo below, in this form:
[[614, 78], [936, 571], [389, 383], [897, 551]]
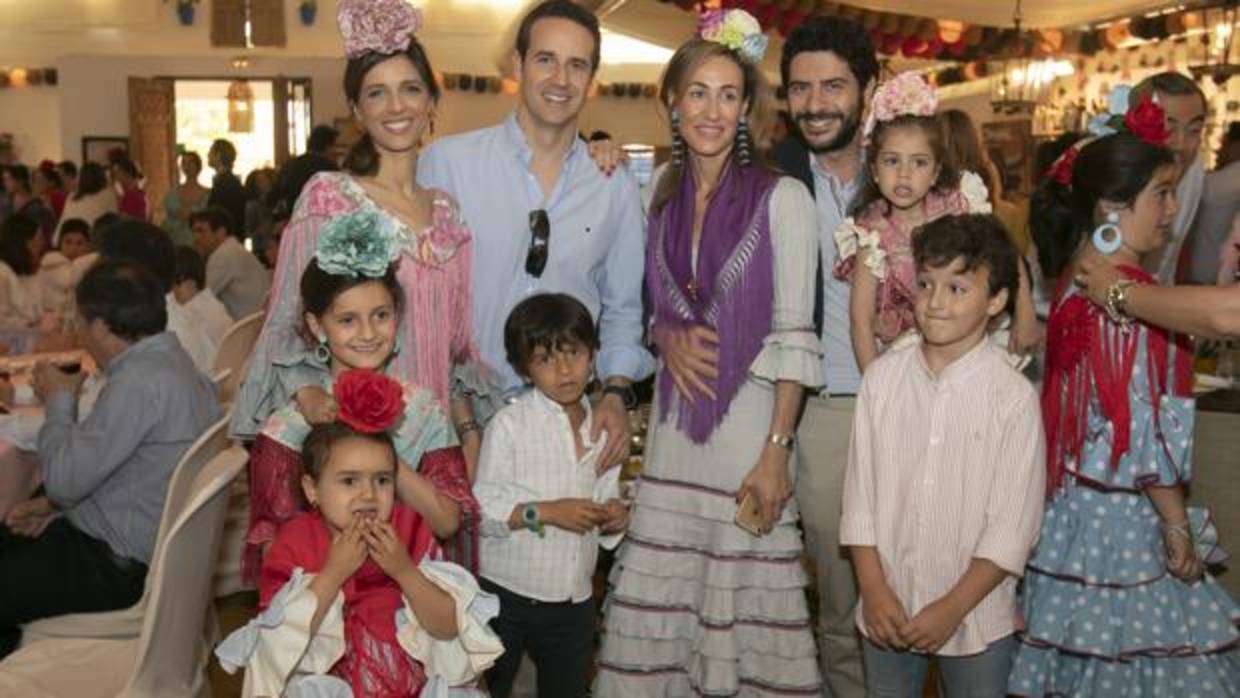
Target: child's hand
[[386, 549], [933, 626], [884, 616], [315, 404], [348, 551], [571, 514], [617, 516], [1182, 561]]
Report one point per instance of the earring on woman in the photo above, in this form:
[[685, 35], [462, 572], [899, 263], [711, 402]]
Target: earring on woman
[[742, 141], [321, 352], [1108, 237], [678, 143]]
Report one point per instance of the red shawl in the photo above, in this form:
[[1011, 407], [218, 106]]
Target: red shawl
[[1086, 352], [373, 664]]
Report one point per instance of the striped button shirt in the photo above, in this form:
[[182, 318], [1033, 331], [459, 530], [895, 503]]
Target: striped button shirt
[[944, 469]]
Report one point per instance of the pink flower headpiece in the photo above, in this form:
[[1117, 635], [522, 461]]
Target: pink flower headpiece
[[907, 94], [382, 26]]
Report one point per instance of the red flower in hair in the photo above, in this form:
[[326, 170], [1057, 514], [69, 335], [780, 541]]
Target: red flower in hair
[[1061, 169], [1148, 122], [369, 401]]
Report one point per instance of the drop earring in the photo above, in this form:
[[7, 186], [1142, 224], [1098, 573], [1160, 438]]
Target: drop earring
[[321, 352], [1108, 237], [742, 141], [678, 143]]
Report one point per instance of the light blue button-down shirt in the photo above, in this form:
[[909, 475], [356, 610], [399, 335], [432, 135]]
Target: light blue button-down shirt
[[831, 196], [597, 243]]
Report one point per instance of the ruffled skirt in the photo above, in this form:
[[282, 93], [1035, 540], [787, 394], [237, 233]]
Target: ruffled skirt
[[1104, 617], [698, 605]]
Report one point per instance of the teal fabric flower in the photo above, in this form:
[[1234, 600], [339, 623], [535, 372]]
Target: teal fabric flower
[[358, 244]]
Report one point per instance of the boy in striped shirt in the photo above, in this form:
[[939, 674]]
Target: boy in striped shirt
[[946, 475]]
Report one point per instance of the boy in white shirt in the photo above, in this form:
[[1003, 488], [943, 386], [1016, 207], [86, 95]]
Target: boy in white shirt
[[190, 292], [946, 476], [542, 500]]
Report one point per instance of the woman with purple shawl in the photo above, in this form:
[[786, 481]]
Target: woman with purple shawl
[[700, 605]]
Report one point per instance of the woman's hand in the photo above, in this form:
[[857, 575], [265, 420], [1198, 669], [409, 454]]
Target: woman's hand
[[692, 357], [1095, 274], [1182, 560], [316, 405], [612, 419], [768, 482], [608, 155]]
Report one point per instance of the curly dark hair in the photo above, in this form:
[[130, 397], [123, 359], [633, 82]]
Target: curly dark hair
[[839, 35], [317, 448], [979, 240]]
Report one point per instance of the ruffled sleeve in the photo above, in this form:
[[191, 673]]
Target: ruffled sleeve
[[792, 351], [277, 649], [851, 238], [456, 663], [273, 376]]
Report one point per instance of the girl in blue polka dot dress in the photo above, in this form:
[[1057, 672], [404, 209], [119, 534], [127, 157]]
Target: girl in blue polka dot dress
[[1115, 600]]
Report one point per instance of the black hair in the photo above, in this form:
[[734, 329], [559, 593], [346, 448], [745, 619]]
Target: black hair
[[1167, 82], [225, 151], [321, 138], [191, 155], [599, 136], [563, 9], [548, 321], [21, 174], [251, 182], [1113, 168], [362, 158], [949, 173], [124, 164], [144, 244], [127, 297], [68, 167], [49, 173], [1047, 152], [317, 448], [319, 289], [216, 217], [839, 35], [74, 225], [190, 266], [91, 180], [980, 241], [15, 235]]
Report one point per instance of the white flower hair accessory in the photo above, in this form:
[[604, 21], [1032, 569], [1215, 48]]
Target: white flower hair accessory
[[907, 94], [736, 29]]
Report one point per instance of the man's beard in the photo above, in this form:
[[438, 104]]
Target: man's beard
[[849, 123]]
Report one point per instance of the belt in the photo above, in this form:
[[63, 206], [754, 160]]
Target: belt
[[513, 597]]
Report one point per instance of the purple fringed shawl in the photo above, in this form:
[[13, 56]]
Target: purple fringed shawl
[[734, 287]]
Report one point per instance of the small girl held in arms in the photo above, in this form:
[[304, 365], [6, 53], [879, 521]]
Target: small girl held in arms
[[912, 180], [1115, 600], [352, 306], [353, 600]]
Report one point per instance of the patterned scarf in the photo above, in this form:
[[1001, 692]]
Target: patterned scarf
[[731, 290]]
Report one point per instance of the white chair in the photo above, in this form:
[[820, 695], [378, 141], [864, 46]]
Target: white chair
[[168, 658], [127, 622], [235, 348]]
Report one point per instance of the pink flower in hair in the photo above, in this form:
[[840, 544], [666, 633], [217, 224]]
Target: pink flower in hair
[[382, 26], [907, 94]]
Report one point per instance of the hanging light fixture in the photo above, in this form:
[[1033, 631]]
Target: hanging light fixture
[[240, 107], [1218, 45], [1023, 83]]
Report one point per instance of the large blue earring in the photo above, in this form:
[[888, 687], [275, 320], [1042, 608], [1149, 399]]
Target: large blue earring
[[1108, 238]]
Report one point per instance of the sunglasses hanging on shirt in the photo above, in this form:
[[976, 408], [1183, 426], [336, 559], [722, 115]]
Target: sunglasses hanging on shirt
[[540, 241]]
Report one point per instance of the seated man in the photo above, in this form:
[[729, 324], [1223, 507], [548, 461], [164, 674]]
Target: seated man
[[234, 275], [191, 293], [86, 544]]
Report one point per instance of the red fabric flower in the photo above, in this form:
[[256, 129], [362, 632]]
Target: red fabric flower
[[370, 402], [1148, 122], [1061, 169]]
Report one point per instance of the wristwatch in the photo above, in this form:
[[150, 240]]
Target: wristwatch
[[529, 517], [626, 394]]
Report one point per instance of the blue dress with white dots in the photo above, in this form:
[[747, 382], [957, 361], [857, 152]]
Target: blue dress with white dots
[[1103, 616]]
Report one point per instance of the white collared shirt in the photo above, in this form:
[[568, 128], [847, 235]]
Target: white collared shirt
[[528, 455], [944, 469]]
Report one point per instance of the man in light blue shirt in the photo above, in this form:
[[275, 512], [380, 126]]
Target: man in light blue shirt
[[829, 71], [543, 215]]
